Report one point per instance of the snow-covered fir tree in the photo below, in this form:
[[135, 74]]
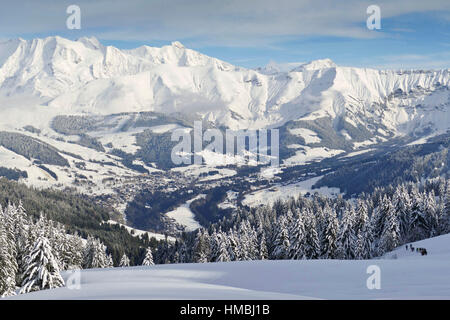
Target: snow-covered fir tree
[[201, 246], [402, 205], [42, 269], [390, 236], [110, 263], [8, 268], [214, 245], [233, 245], [446, 215], [148, 259], [331, 248], [95, 255], [297, 239], [222, 254], [124, 261], [263, 253], [312, 248], [347, 235], [281, 245]]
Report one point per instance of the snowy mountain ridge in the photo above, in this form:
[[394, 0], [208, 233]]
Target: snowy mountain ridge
[[85, 76]]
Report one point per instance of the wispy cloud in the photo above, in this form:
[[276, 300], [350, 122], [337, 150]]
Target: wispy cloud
[[251, 32], [212, 22], [439, 60]]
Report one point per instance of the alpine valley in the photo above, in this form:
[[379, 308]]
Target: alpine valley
[[96, 121]]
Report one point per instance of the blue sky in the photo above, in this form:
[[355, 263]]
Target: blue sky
[[252, 33]]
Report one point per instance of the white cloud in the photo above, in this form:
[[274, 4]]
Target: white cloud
[[212, 22]]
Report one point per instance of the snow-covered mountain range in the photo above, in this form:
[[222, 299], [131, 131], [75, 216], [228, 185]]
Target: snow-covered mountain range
[[84, 76]]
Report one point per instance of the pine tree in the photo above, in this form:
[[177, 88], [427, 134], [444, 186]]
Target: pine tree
[[418, 221], [148, 260], [183, 253], [402, 206], [331, 244], [360, 250], [431, 215], [72, 252], [202, 247], [282, 244], [233, 245], [446, 215], [361, 216], [248, 243], [124, 261], [95, 254], [390, 237], [347, 237], [215, 246], [378, 220], [110, 262], [9, 217], [222, 255], [318, 218], [7, 266], [20, 226], [62, 247], [243, 244], [42, 270], [312, 241], [263, 252], [297, 239], [249, 236], [262, 248]]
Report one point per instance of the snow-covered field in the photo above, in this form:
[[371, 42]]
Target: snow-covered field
[[138, 232], [308, 135], [184, 216], [308, 154], [403, 275], [284, 192]]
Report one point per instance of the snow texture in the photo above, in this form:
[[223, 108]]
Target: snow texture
[[404, 275]]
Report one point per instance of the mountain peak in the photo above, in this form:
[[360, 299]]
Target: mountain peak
[[316, 65], [177, 44], [90, 42]]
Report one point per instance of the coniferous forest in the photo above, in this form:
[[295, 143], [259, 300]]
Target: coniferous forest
[[322, 228], [35, 249]]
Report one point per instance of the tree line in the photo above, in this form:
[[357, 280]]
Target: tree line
[[320, 227]]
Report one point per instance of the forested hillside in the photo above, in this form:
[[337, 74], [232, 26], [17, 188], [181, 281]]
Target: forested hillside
[[33, 252], [78, 214]]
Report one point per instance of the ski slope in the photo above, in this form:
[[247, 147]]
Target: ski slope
[[404, 275]]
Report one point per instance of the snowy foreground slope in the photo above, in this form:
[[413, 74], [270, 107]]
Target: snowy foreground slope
[[408, 276]]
